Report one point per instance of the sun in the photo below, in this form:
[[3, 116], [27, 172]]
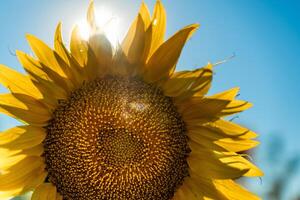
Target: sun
[[107, 22], [119, 122]]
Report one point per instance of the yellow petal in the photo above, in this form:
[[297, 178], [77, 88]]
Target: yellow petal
[[58, 44], [199, 143], [120, 64], [31, 65], [207, 164], [202, 187], [231, 129], [227, 95], [237, 161], [136, 48], [51, 91], [91, 15], [201, 86], [7, 195], [8, 79], [236, 145], [99, 50], [133, 43], [147, 47], [19, 174], [159, 22], [76, 72], [185, 84], [78, 47], [22, 137], [24, 108], [9, 158], [45, 191], [233, 191], [197, 108], [39, 78], [99, 55], [45, 54], [234, 107], [145, 14], [184, 192], [162, 62], [37, 150], [51, 63], [202, 134]]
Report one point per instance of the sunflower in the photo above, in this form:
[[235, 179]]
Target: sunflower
[[119, 123]]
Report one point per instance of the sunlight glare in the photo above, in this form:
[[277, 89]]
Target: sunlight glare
[[107, 23], [84, 30]]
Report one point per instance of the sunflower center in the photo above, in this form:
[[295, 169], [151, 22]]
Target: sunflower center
[[116, 138], [120, 148]]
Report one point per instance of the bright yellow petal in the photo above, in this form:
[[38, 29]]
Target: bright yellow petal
[[9, 158], [202, 188], [91, 15], [206, 164], [227, 95], [45, 54], [75, 71], [45, 191], [24, 108], [231, 129], [236, 145], [8, 79], [22, 137], [40, 80], [237, 161], [185, 84], [202, 134], [99, 49], [159, 22], [7, 195], [31, 65], [78, 47], [134, 45], [51, 91], [147, 46], [200, 144], [21, 174], [233, 191], [234, 107], [58, 44], [197, 108], [145, 14], [134, 42], [162, 63], [51, 63], [136, 48]]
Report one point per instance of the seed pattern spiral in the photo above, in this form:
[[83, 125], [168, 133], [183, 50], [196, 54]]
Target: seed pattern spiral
[[116, 138]]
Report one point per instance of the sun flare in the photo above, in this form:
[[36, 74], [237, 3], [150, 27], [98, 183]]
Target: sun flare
[[107, 23]]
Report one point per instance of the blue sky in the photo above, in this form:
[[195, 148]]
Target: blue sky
[[264, 36]]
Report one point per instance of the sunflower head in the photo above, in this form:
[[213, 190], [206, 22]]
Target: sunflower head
[[119, 123]]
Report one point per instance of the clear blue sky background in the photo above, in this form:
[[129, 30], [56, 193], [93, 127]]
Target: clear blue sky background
[[264, 35]]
